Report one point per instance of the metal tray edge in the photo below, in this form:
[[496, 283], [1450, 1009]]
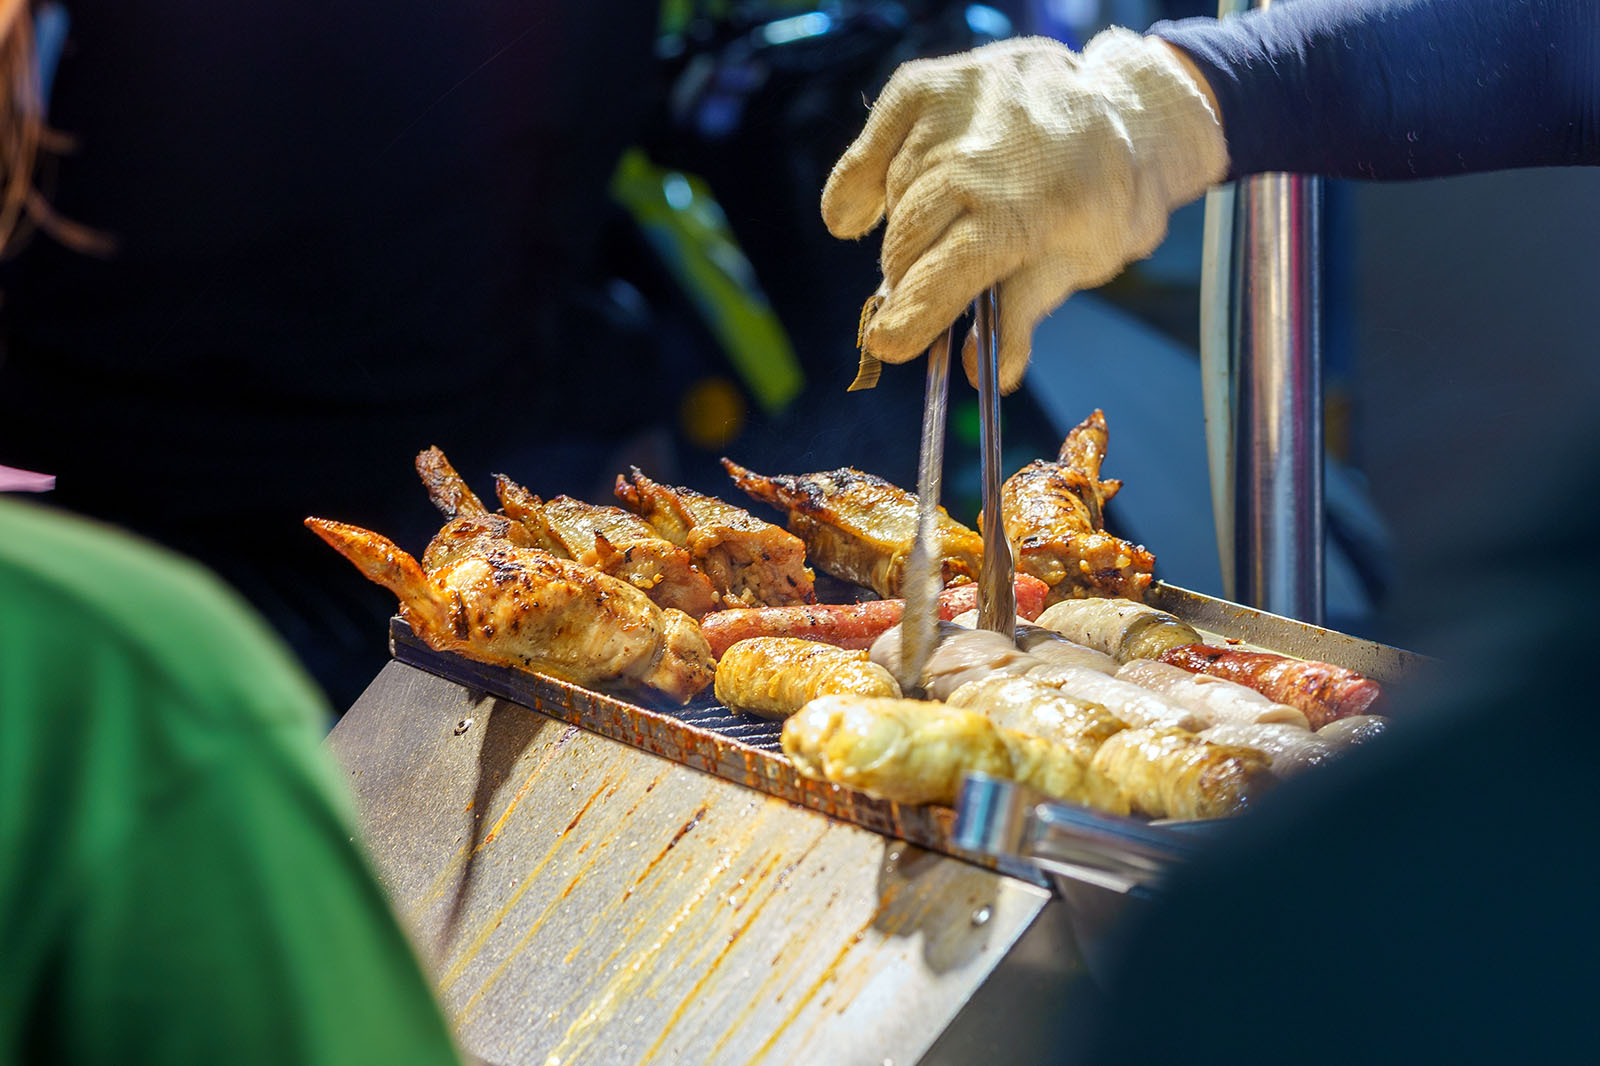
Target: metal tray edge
[[661, 733], [1287, 636]]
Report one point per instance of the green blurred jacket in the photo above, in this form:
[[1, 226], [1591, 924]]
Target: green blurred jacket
[[179, 881]]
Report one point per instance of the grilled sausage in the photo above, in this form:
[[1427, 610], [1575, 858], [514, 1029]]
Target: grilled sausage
[[1213, 699], [1032, 707], [844, 625], [1121, 628], [776, 676], [913, 751], [1172, 773], [1323, 691]]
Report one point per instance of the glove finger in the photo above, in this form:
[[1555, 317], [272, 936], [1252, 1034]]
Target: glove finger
[[923, 215], [924, 146], [1026, 297], [852, 202], [853, 198], [935, 289]]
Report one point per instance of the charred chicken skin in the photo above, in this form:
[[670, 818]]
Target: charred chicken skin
[[1054, 516], [523, 506], [751, 563], [474, 534], [447, 489], [471, 527], [615, 542], [859, 527], [526, 608]]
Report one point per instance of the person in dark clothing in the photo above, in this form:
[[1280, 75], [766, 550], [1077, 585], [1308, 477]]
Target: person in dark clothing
[[1029, 166], [1427, 899]]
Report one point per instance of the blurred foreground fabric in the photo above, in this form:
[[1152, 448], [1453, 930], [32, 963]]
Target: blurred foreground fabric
[[179, 880]]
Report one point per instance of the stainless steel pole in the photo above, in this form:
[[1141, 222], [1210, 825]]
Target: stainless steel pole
[[1261, 342]]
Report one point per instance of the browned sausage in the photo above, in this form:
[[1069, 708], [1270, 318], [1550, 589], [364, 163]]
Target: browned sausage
[[1323, 691], [847, 625]]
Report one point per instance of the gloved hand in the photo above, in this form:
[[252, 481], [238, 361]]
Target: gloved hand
[[1024, 164]]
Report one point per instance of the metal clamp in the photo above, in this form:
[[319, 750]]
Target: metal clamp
[[1015, 823]]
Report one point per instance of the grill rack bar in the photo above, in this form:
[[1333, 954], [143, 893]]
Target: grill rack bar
[[703, 736], [744, 749]]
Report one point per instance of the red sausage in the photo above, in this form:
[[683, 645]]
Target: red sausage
[[961, 598], [845, 625], [849, 625], [1323, 691]]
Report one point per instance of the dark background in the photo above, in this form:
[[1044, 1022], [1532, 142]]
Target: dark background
[[341, 238]]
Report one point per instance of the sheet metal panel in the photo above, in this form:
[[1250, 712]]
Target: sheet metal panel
[[580, 900], [705, 736], [661, 885]]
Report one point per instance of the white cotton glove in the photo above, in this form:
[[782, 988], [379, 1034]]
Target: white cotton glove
[[1025, 164]]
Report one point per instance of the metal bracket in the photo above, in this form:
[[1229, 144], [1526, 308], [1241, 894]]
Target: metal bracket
[[1011, 821]]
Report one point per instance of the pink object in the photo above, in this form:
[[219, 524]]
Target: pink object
[[14, 480]]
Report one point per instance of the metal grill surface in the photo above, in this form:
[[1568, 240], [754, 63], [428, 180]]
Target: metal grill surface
[[704, 736], [744, 749]]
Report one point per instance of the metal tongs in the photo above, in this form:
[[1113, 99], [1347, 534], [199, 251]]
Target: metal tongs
[[997, 605], [1011, 822]]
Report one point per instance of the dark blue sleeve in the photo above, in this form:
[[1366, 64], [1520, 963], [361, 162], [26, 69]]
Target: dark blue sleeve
[[1396, 89]]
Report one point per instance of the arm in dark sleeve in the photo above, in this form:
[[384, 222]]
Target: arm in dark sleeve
[[1397, 89]]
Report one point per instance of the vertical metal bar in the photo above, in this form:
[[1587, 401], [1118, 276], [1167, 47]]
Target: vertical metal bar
[[1216, 368], [997, 595], [1273, 294], [919, 626], [1278, 507]]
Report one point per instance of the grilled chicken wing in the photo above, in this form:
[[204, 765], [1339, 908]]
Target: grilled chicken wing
[[518, 503], [858, 527], [776, 676], [615, 542], [446, 488], [1171, 773], [474, 534], [912, 751], [471, 527], [751, 563], [1053, 514], [523, 607]]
